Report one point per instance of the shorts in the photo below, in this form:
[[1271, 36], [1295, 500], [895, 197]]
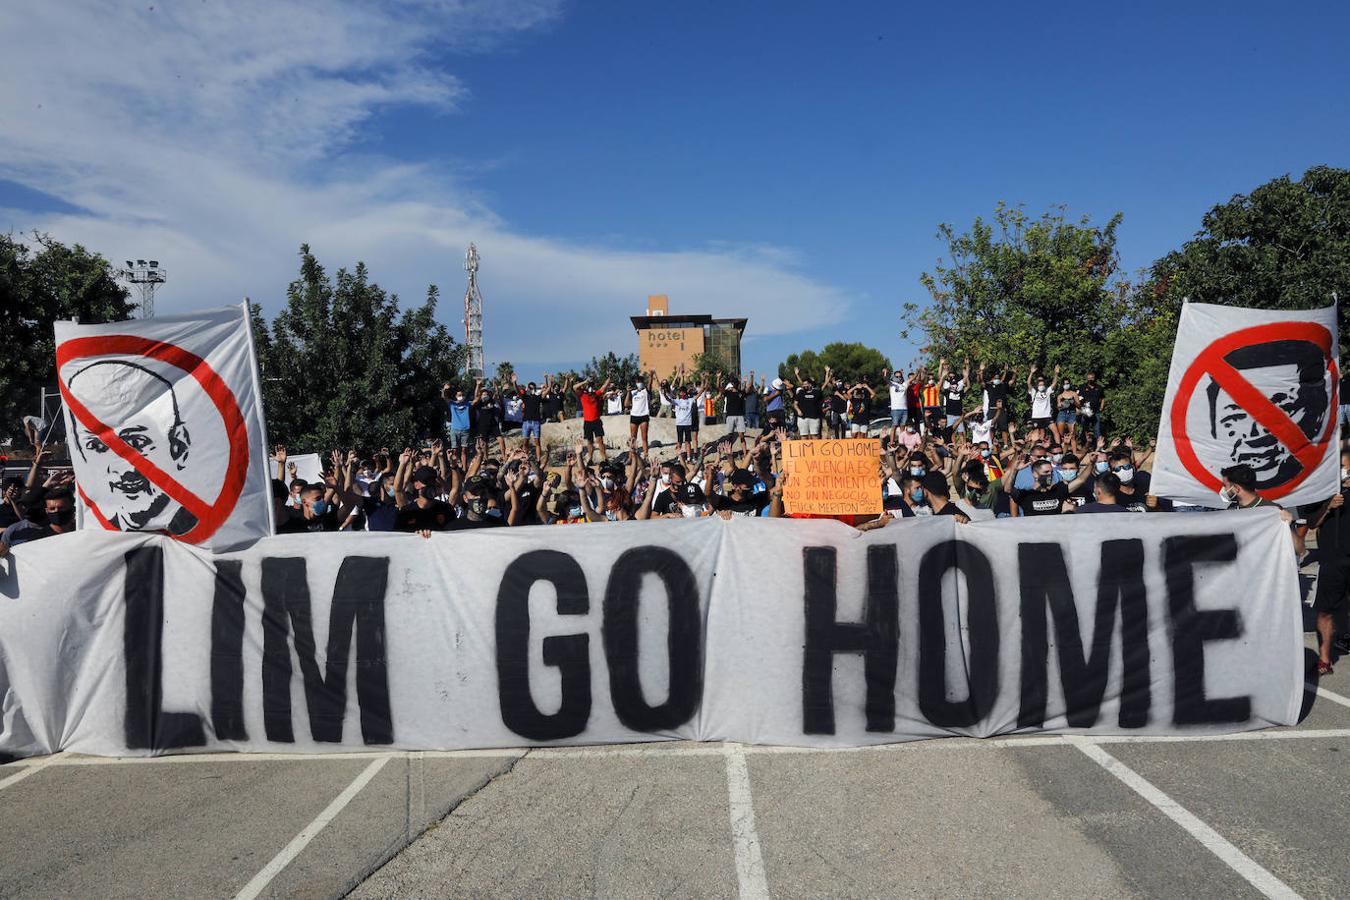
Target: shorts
[[1067, 417], [591, 430], [638, 420], [808, 426], [459, 437], [857, 428], [1039, 423], [710, 420], [529, 429], [952, 419], [735, 424], [683, 433], [898, 416], [1333, 577]]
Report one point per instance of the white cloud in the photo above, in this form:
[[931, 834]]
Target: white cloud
[[215, 136]]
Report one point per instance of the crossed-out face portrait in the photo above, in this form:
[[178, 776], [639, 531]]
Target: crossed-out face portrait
[[1293, 375], [140, 407]]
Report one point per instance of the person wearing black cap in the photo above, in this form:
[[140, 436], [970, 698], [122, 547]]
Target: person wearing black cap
[[939, 496], [474, 506], [421, 509], [740, 500]]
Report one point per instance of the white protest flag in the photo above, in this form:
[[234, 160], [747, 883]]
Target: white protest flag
[[1255, 387], [165, 425]]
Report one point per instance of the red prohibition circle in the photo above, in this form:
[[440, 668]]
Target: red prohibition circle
[[1211, 362], [210, 515]]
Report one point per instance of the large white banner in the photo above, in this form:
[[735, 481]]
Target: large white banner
[[1251, 386], [165, 425], [763, 631]]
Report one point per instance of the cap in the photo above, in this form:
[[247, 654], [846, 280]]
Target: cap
[[424, 474], [778, 384]]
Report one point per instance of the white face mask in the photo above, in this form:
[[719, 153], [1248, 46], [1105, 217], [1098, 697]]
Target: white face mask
[[1345, 473], [1126, 474], [1225, 498], [665, 478]]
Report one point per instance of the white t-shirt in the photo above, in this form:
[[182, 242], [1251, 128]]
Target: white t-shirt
[[981, 431], [1040, 403], [615, 403], [898, 389], [684, 409], [641, 405]]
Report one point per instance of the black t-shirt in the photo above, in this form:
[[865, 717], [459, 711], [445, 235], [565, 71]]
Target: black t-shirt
[[1095, 507], [1041, 503], [1083, 495], [997, 393], [552, 404], [749, 506], [671, 500], [530, 408], [1333, 535], [951, 509], [296, 523], [1090, 396], [487, 415], [838, 404], [1135, 502], [464, 523], [435, 516], [735, 401], [953, 397], [809, 401], [859, 398]]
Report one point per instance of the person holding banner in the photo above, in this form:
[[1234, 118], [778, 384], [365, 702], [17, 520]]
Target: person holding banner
[[1333, 569]]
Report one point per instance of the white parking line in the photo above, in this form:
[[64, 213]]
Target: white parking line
[[29, 769], [1326, 694], [1235, 859], [754, 885], [298, 843]]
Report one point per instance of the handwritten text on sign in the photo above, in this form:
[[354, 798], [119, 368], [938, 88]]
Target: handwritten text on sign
[[832, 477]]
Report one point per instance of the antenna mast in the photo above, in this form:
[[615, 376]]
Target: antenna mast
[[473, 316]]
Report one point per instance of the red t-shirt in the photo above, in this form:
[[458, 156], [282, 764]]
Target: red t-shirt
[[590, 404]]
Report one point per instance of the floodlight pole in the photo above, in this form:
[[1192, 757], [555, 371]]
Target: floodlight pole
[[473, 317], [146, 277]]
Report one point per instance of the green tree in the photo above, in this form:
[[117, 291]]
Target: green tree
[[622, 370], [1022, 291], [503, 374], [343, 367], [38, 287], [851, 362], [1286, 245]]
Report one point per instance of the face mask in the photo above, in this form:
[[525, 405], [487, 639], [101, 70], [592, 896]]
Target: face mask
[[1345, 473], [1101, 467], [1066, 385], [1040, 387], [917, 470], [427, 492], [1045, 480], [1125, 474], [911, 429], [607, 483], [319, 507], [916, 495], [459, 398], [984, 453], [478, 506], [62, 519], [1069, 474], [997, 381], [665, 478], [640, 385], [494, 513], [1225, 497], [1056, 457]]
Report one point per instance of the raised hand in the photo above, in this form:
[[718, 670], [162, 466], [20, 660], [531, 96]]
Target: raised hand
[[280, 453]]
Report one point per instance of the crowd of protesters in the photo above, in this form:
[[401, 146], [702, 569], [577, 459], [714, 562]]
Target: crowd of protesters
[[952, 442]]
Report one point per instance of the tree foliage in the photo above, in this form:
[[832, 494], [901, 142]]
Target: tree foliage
[[343, 366], [622, 370], [36, 290], [851, 362]]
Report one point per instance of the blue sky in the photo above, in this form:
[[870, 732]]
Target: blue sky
[[785, 162]]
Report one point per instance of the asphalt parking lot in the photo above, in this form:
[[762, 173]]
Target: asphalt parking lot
[[1048, 816]]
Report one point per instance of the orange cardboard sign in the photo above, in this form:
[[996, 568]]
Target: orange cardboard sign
[[832, 477]]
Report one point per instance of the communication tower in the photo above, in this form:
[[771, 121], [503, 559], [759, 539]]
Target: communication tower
[[473, 316]]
